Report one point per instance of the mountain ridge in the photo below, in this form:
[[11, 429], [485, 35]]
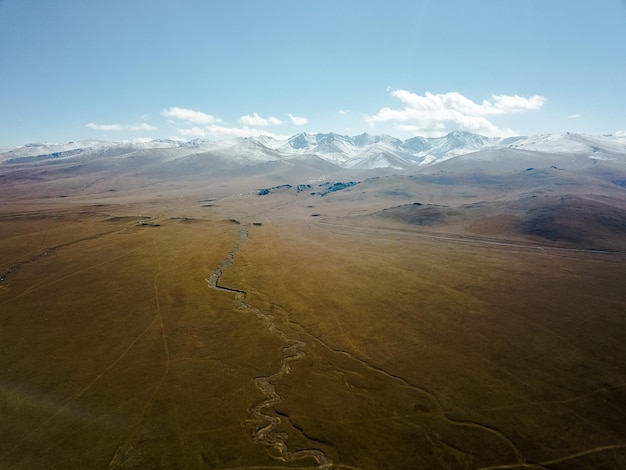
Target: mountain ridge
[[363, 152]]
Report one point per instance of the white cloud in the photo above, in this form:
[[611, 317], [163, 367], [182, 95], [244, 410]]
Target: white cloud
[[121, 127], [189, 115], [574, 116], [504, 104], [142, 127], [104, 127], [343, 111], [438, 114], [256, 120], [189, 123], [620, 134], [224, 132], [193, 132], [297, 120]]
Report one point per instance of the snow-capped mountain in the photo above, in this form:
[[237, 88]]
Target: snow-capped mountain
[[362, 152], [459, 143], [568, 143], [367, 151]]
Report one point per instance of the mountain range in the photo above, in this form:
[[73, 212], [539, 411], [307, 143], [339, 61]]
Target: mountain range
[[361, 152]]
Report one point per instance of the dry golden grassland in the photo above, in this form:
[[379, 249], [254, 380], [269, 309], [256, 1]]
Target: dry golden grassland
[[114, 350], [430, 353], [380, 348]]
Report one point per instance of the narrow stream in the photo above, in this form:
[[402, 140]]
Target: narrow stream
[[266, 434]]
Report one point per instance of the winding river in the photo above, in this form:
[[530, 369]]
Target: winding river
[[266, 432]]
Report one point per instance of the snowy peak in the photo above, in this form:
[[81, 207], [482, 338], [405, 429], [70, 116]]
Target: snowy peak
[[461, 142], [344, 150], [461, 139], [300, 141]]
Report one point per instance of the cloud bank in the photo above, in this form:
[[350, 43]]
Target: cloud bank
[[191, 124], [121, 127], [223, 131], [432, 115]]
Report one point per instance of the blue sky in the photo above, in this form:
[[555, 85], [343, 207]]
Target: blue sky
[[145, 69]]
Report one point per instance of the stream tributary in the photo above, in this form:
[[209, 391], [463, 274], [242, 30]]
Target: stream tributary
[[266, 433]]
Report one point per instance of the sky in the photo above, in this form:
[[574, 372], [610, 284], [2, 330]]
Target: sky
[[216, 69]]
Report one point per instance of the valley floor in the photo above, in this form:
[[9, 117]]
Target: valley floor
[[249, 333]]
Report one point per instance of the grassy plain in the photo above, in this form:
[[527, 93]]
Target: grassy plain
[[398, 348]]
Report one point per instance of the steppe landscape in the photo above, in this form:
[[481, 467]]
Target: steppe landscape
[[192, 313]]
